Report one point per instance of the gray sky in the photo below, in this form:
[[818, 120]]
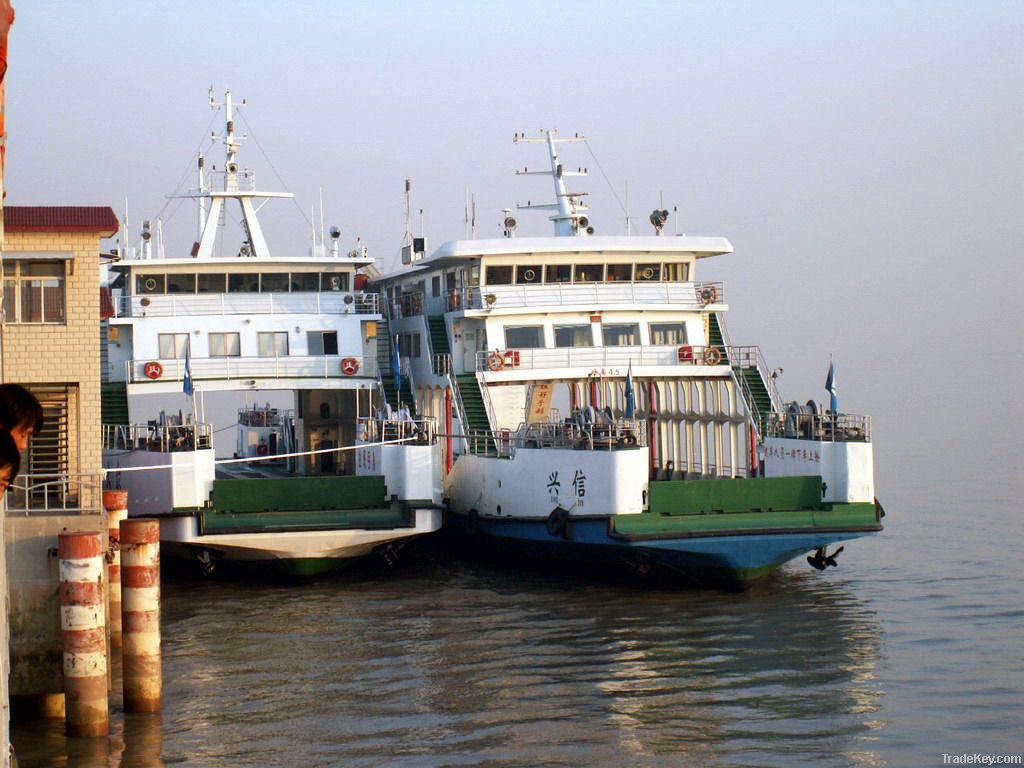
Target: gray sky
[[865, 158]]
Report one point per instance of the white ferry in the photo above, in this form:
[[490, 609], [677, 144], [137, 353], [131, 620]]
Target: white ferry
[[279, 352], [594, 408]]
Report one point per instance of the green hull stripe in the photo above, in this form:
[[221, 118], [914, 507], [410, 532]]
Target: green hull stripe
[[725, 495]]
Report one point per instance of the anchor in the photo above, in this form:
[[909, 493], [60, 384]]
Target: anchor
[[822, 560]]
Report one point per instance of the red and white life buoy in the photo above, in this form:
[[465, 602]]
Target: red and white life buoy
[[350, 366], [712, 356], [495, 361], [153, 369]]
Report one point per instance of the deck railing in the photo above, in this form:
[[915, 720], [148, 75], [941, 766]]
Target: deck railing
[[607, 435], [76, 493], [306, 303], [834, 427], [602, 361], [165, 438], [230, 368]]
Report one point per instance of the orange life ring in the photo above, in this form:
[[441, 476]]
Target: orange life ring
[[350, 366], [708, 294], [712, 356], [495, 362], [153, 369]]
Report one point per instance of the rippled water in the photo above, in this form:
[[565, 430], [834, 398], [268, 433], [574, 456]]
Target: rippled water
[[910, 649]]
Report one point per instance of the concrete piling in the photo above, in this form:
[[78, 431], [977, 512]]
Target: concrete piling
[[83, 628], [116, 505], [140, 615]]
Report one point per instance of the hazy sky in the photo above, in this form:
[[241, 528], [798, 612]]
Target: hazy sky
[[865, 158]]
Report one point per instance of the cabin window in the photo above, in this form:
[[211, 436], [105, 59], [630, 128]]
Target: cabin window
[[409, 345], [668, 334], [646, 272], [274, 282], [618, 272], [677, 273], [34, 291], [172, 345], [528, 275], [333, 281], [524, 337], [225, 345], [558, 273], [305, 282], [273, 344], [150, 283], [588, 273], [621, 335], [244, 283], [211, 283], [322, 342], [181, 283], [435, 286], [573, 336], [499, 275]]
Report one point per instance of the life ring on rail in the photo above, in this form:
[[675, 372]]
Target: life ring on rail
[[153, 369], [708, 294], [712, 356], [495, 362], [350, 366]]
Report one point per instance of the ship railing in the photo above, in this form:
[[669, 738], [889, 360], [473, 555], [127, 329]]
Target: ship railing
[[165, 438], [457, 299], [415, 431], [264, 417], [827, 426], [610, 435], [695, 470], [751, 357], [306, 303], [232, 368], [67, 493], [603, 361], [689, 296]]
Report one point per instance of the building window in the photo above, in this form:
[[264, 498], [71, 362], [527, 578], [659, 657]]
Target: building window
[[619, 272], [622, 335], [573, 336], [172, 345], [43, 485], [34, 292], [212, 284], [225, 345], [524, 337], [322, 342], [589, 273], [273, 344], [527, 275], [668, 334], [499, 275]]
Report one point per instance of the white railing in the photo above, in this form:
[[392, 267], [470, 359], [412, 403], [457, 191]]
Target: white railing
[[183, 305], [292, 367], [164, 438], [79, 493], [602, 361], [836, 427], [689, 296]]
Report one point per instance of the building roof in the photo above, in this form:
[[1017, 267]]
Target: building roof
[[61, 218]]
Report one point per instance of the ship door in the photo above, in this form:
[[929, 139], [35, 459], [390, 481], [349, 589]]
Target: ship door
[[272, 444], [327, 460]]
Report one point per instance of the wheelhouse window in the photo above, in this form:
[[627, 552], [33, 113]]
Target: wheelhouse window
[[34, 292], [181, 283], [573, 336], [528, 275], [274, 282], [499, 275], [334, 281], [225, 345], [244, 283], [668, 334], [172, 345], [211, 283], [150, 283], [621, 335], [588, 273], [558, 273], [677, 273], [618, 272], [648, 272], [322, 342], [273, 344], [305, 282], [524, 337]]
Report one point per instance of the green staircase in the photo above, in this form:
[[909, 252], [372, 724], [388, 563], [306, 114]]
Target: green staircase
[[438, 335], [114, 403], [715, 336], [762, 400], [473, 403], [387, 375]]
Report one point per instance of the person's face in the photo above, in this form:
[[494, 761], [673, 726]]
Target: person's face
[[21, 434], [5, 480]]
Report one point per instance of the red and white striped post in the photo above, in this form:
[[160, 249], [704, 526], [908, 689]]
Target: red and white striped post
[[140, 615], [116, 504], [86, 712]]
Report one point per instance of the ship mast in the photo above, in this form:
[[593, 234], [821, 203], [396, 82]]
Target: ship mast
[[569, 218]]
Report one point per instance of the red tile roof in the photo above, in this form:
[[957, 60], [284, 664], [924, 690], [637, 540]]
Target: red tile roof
[[61, 218], [106, 303]]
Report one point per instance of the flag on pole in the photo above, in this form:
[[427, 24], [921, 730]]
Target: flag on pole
[[186, 382], [630, 396], [830, 385], [396, 367]]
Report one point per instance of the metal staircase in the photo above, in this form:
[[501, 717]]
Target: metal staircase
[[386, 379]]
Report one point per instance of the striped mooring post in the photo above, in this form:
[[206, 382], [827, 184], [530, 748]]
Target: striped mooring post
[[86, 712], [116, 505], [140, 615]]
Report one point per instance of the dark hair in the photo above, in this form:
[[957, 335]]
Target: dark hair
[[19, 406], [10, 456]]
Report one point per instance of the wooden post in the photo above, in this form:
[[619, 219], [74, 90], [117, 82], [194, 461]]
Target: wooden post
[[140, 591], [84, 633], [116, 504]]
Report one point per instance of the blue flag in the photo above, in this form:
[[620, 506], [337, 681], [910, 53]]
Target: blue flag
[[186, 383], [830, 385], [396, 367], [630, 396]]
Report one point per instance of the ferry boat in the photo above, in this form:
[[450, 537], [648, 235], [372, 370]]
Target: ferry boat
[[594, 408], [267, 363]]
